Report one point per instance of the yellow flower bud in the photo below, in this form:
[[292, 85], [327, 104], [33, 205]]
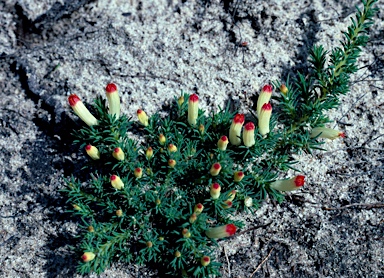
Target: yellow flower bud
[[143, 118], [235, 129], [249, 134], [264, 118], [92, 151], [193, 109], [118, 154], [88, 256], [328, 133], [222, 143], [290, 184], [113, 99], [116, 182], [264, 97], [138, 173], [215, 190], [81, 111]]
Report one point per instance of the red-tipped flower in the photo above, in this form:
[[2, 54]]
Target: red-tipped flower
[[162, 139], [88, 256], [113, 99], [289, 185], [149, 153], [116, 182], [227, 204], [118, 154], [193, 109], [193, 218], [249, 134], [198, 208], [119, 213], [232, 195], [222, 143], [238, 176], [235, 129], [221, 231], [327, 133], [186, 233], [143, 118], [215, 190], [264, 118], [138, 173], [81, 111], [180, 100], [215, 169], [92, 151], [172, 148], [172, 163], [205, 260], [264, 97]]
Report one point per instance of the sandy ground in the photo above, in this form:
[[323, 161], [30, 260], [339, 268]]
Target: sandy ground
[[334, 227]]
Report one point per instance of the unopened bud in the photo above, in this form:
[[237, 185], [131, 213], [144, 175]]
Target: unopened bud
[[180, 100], [283, 89], [201, 129], [232, 195], [81, 111], [138, 173], [172, 148], [193, 218], [227, 204], [149, 244], [222, 143], [205, 260], [158, 201], [76, 207], [215, 190], [264, 118], [92, 151], [248, 202], [238, 176], [198, 208], [186, 233], [172, 163], [143, 118], [264, 97], [215, 169], [162, 139], [116, 182], [118, 154], [288, 185], [235, 129], [177, 254], [88, 256], [149, 153], [193, 109], [91, 229], [328, 133], [119, 213]]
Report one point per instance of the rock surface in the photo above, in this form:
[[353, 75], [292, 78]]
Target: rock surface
[[153, 50]]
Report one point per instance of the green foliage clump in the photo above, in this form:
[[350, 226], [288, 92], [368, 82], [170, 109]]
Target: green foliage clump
[[160, 200]]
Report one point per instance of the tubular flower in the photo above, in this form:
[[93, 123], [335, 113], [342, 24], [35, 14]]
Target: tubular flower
[[222, 143], [248, 202], [264, 97], [193, 109], [198, 208], [328, 133], [238, 176], [215, 169], [205, 260], [288, 185], [149, 153], [113, 99], [162, 139], [92, 151], [172, 163], [235, 129], [81, 111], [221, 231], [232, 195], [88, 256], [172, 148], [143, 118], [215, 190], [249, 134], [138, 173], [118, 154], [264, 118], [116, 182]]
